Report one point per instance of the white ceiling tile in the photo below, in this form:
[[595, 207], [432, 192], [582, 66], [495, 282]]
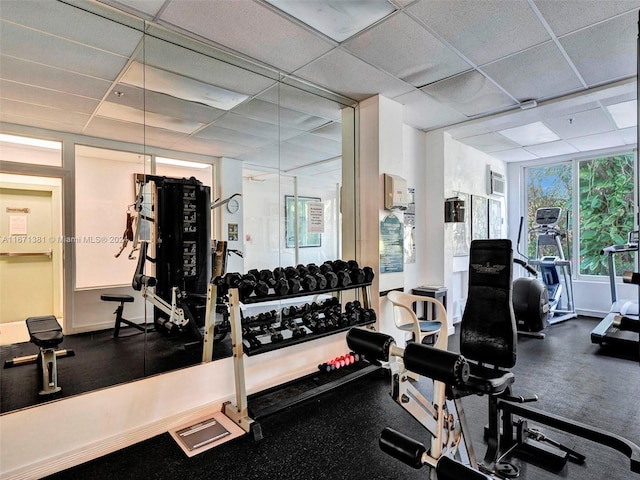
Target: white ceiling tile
[[213, 148], [130, 114], [629, 135], [423, 112], [53, 125], [285, 117], [568, 15], [551, 149], [580, 124], [600, 55], [515, 155], [315, 142], [470, 93], [538, 73], [597, 142], [490, 142], [54, 51], [265, 35], [258, 128], [265, 157], [150, 7], [482, 31], [39, 112], [343, 73], [416, 56], [468, 130], [331, 131], [213, 132], [56, 18], [46, 97], [336, 19], [194, 65], [624, 114], [43, 76], [297, 154], [297, 99]]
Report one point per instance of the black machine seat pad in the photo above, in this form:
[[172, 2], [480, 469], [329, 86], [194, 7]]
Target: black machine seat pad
[[111, 297], [45, 331], [486, 380]]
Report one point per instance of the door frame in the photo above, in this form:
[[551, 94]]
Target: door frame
[[57, 250]]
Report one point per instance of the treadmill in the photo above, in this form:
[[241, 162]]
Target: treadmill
[[606, 332]]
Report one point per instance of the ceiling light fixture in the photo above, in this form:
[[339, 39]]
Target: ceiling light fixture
[[181, 163], [32, 142], [530, 134], [179, 86], [625, 114]]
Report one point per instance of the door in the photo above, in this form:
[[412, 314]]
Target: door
[[30, 255]]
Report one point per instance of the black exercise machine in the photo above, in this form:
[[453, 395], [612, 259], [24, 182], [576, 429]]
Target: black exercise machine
[[46, 333], [488, 339]]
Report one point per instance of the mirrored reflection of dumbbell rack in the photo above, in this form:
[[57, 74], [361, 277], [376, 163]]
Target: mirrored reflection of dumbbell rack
[[291, 324]]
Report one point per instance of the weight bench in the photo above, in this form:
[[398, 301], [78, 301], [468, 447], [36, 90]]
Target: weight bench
[[46, 333], [110, 297]]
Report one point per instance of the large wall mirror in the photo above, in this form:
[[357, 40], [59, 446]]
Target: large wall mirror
[[98, 108]]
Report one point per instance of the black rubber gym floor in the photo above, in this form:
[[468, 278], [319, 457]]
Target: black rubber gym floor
[[335, 436]]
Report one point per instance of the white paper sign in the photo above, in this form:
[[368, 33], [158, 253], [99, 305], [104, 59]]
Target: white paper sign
[[17, 224], [315, 217]]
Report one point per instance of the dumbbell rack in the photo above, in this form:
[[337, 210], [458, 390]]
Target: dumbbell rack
[[239, 412]]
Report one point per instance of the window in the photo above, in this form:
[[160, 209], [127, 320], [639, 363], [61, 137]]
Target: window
[[606, 211], [549, 186], [605, 205]]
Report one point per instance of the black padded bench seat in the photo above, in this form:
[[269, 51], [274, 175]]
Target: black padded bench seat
[[110, 297], [45, 331]]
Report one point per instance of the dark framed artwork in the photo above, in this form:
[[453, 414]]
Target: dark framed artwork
[[305, 237], [479, 217]]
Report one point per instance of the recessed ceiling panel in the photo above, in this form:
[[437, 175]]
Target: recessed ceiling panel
[[54, 51], [470, 93], [416, 56], [163, 104], [551, 149], [295, 155], [568, 15], [336, 19], [347, 75], [580, 124], [605, 52], [482, 31], [265, 35], [53, 125], [174, 58], [423, 112], [179, 86], [624, 114], [629, 135], [268, 157], [530, 134], [38, 75], [538, 73], [211, 147], [64, 21], [45, 97]]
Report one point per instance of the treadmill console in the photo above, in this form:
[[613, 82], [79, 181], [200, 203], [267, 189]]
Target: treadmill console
[[548, 216]]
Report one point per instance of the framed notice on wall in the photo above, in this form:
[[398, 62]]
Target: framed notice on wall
[[309, 213], [391, 245], [479, 217]]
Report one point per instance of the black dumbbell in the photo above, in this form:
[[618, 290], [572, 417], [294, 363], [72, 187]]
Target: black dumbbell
[[278, 272], [267, 277], [309, 283], [246, 286], [261, 289], [369, 274], [294, 285], [332, 280], [281, 287], [232, 279], [222, 288], [321, 280], [355, 272], [291, 272], [275, 336]]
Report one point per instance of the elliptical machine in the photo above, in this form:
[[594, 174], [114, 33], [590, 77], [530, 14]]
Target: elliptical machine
[[530, 298]]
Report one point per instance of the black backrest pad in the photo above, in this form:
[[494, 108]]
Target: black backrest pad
[[488, 332]]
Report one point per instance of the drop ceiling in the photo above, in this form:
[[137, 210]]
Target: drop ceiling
[[463, 65]]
